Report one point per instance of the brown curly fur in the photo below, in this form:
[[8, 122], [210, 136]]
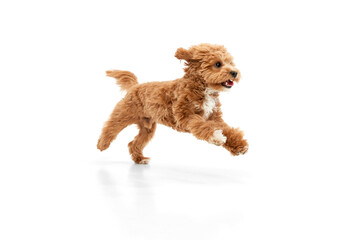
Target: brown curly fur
[[179, 104]]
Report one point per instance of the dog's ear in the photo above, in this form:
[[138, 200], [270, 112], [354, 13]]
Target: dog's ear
[[182, 53]]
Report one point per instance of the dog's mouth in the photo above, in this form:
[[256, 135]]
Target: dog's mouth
[[227, 84]]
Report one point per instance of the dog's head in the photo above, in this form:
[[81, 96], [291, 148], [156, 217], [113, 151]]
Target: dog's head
[[212, 63]]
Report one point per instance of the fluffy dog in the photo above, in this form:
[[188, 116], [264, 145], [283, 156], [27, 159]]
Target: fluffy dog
[[188, 104]]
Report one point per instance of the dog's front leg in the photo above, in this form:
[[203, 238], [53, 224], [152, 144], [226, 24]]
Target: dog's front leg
[[219, 133], [235, 142], [187, 120], [209, 131], [213, 130]]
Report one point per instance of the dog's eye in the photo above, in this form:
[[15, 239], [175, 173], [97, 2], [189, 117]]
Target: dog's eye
[[218, 64]]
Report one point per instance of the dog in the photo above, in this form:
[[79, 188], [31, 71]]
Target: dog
[[188, 104]]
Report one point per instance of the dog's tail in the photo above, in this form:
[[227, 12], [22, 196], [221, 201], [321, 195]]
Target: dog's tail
[[124, 79]]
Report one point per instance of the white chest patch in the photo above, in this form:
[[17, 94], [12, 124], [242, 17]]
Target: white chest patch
[[209, 103]]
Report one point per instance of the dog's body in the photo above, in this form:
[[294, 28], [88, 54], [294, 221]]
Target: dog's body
[[188, 104]]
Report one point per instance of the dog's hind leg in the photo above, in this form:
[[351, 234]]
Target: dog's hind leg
[[146, 132], [119, 119]]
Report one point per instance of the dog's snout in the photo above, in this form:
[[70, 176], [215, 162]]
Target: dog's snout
[[233, 73]]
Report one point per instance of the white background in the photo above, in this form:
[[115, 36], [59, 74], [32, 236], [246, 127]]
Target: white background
[[297, 102]]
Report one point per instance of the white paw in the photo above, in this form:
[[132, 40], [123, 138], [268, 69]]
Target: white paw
[[144, 161], [218, 138]]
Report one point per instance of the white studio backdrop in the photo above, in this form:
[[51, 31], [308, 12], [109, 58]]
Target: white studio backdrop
[[297, 102]]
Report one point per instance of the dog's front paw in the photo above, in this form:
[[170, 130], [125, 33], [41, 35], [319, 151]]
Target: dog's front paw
[[235, 143], [243, 148], [218, 138]]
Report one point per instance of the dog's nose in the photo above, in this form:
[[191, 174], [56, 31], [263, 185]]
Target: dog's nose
[[233, 73]]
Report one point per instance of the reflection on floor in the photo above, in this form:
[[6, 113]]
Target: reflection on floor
[[156, 200]]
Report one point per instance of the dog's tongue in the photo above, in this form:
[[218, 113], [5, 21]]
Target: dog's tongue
[[229, 83]]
